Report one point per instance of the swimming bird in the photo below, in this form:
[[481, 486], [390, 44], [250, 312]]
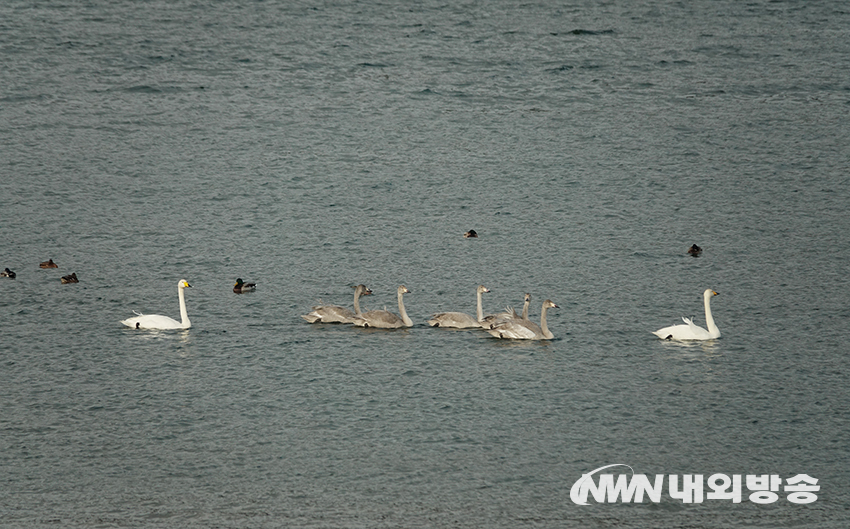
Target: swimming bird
[[694, 250], [519, 329], [460, 320], [690, 331], [384, 319], [48, 264], [8, 273], [471, 234], [492, 320], [335, 313], [70, 278], [241, 287], [155, 321]]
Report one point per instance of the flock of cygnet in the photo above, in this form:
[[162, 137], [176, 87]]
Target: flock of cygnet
[[504, 325], [508, 324]]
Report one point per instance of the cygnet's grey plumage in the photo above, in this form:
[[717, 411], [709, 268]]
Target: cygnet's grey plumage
[[494, 320], [460, 320], [335, 313], [519, 329], [384, 319]]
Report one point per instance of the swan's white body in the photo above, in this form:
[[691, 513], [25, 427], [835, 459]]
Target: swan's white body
[[494, 320], [155, 321], [520, 329], [460, 320], [691, 331], [384, 319], [335, 313]]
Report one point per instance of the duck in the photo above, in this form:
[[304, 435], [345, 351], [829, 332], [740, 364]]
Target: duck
[[519, 329], [241, 287], [471, 234], [384, 319], [72, 278], [695, 250], [8, 273], [335, 313], [691, 331], [155, 321], [48, 264]]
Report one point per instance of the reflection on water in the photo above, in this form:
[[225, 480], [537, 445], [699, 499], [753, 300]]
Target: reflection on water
[[695, 346]]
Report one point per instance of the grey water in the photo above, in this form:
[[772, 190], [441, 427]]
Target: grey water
[[312, 146]]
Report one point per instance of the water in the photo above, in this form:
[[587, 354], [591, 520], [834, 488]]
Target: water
[[311, 147]]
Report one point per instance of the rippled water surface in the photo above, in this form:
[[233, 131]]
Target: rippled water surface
[[310, 147]]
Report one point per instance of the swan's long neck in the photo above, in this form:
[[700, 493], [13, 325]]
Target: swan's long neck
[[480, 312], [525, 309], [357, 302], [184, 315], [403, 313], [709, 320], [543, 326]]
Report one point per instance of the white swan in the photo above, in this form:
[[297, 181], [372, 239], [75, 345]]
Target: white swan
[[383, 319], [335, 313], [155, 321], [690, 331], [519, 329], [494, 320], [460, 320]]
